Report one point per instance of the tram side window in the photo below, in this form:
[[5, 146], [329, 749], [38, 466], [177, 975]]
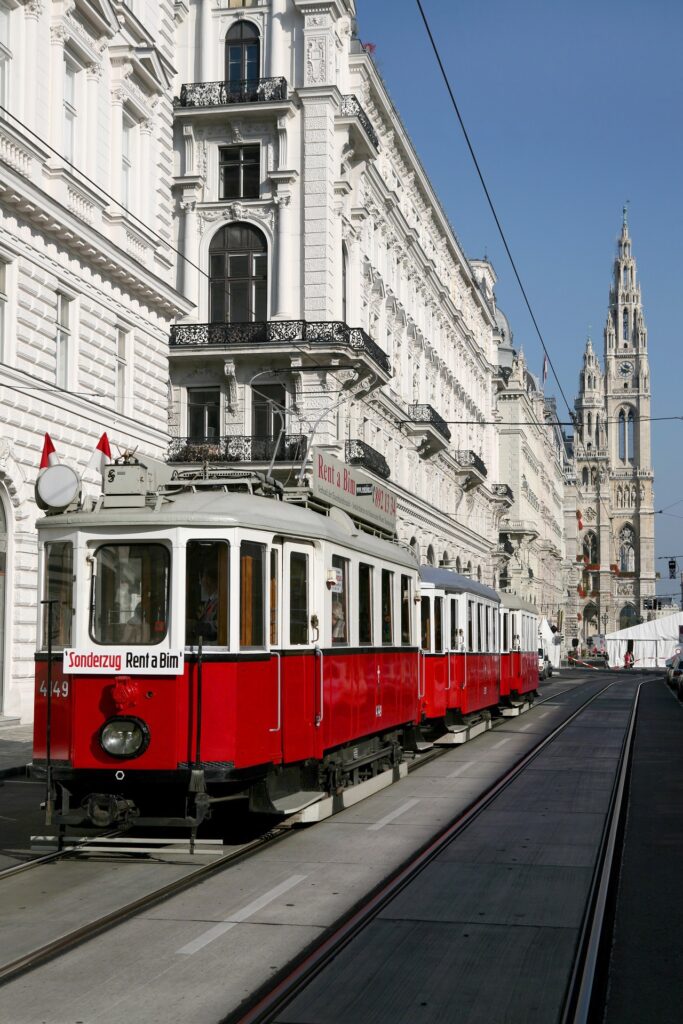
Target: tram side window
[[340, 601], [487, 613], [494, 629], [480, 633], [298, 598], [505, 645], [438, 624], [453, 634], [406, 604], [364, 603], [470, 625], [274, 594], [387, 606], [59, 588], [206, 590], [426, 624], [130, 594], [252, 594]]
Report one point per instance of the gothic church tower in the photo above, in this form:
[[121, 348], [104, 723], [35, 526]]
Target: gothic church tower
[[613, 462]]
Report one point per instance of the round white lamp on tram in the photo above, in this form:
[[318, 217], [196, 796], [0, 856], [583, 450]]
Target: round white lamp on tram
[[57, 487]]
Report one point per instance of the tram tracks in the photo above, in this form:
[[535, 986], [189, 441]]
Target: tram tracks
[[267, 1004], [63, 943]]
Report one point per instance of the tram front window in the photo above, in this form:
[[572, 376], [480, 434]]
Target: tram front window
[[130, 594], [59, 587]]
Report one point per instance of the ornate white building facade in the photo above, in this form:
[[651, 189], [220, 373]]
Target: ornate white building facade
[[614, 475], [334, 303], [85, 298]]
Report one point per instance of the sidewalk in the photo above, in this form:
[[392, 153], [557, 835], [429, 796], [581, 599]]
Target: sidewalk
[[16, 746]]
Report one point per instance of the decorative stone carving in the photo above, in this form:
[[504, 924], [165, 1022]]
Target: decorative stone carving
[[316, 60]]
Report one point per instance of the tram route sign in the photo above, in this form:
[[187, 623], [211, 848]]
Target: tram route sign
[[126, 661], [353, 490]]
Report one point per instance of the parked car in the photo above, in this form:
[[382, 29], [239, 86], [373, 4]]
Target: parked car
[[674, 667]]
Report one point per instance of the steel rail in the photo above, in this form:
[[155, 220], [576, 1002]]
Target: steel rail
[[36, 957], [273, 999], [577, 1002]]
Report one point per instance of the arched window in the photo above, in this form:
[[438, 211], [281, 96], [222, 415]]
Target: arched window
[[630, 436], [242, 58], [626, 277], [414, 547], [590, 621], [624, 326], [468, 570], [458, 564], [238, 275], [584, 476], [627, 549], [594, 476], [589, 431], [627, 616], [479, 573], [445, 559], [620, 497], [590, 548], [622, 435], [430, 556]]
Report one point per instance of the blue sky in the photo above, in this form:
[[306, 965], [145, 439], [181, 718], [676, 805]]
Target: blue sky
[[572, 109]]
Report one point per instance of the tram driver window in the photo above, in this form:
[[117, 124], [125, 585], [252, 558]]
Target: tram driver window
[[206, 589], [59, 590], [340, 601], [130, 594]]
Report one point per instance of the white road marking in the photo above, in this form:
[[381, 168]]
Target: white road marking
[[394, 814], [500, 743], [240, 915], [523, 727], [460, 769], [544, 714]]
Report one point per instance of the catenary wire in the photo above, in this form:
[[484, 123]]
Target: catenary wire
[[491, 204]]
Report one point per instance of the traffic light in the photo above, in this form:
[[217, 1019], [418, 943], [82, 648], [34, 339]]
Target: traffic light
[[672, 568]]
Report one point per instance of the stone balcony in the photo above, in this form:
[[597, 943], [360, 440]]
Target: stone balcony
[[238, 448], [318, 339], [425, 424], [352, 111], [474, 466], [358, 453], [224, 94], [503, 492]]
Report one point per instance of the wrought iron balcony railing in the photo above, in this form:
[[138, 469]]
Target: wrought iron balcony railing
[[358, 453], [280, 332], [427, 414], [350, 107], [503, 491], [470, 458], [220, 94], [238, 448]]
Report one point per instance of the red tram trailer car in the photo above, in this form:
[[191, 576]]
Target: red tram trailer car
[[199, 643]]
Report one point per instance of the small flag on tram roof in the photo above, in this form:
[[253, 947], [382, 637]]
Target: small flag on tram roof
[[49, 456], [102, 454]]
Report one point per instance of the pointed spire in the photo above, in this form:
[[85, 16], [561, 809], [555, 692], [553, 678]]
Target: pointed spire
[[624, 220]]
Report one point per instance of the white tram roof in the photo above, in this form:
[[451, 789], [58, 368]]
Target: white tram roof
[[518, 604], [217, 508], [446, 579]]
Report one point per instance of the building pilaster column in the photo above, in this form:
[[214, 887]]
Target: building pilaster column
[[207, 44], [116, 142], [33, 12], [278, 66], [147, 193], [93, 76], [285, 254], [190, 249], [57, 37]]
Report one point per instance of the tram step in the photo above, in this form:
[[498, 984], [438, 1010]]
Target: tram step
[[517, 708], [149, 845], [462, 733], [329, 805]]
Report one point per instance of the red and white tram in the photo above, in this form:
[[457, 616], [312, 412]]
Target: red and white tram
[[199, 643]]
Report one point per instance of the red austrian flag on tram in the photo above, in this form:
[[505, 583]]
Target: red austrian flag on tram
[[49, 456], [102, 454]]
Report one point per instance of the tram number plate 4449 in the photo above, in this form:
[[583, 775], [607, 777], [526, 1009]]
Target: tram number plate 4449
[[59, 689]]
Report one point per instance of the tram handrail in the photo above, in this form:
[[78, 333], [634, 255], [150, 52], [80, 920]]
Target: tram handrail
[[278, 727], [321, 714]]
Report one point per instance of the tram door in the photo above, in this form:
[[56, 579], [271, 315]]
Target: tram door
[[297, 651]]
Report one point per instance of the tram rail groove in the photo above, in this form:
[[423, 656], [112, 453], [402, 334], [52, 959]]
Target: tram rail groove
[[271, 999], [578, 1005], [65, 943]]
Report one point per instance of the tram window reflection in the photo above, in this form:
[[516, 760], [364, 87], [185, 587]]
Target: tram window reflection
[[206, 588], [387, 606], [364, 603], [438, 624], [406, 605], [298, 598], [130, 594], [454, 625], [274, 595], [59, 588], [252, 594], [426, 624], [340, 601], [470, 625]]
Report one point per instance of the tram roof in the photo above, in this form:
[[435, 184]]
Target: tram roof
[[446, 579], [215, 509], [516, 604]]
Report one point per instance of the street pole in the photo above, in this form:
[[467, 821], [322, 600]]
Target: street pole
[[49, 797]]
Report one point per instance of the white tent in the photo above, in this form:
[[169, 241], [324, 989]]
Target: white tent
[[653, 642], [550, 645]]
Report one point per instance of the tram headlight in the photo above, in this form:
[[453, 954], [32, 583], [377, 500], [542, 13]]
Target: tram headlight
[[124, 737]]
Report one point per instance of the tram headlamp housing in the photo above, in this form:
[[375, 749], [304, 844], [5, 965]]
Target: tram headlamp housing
[[124, 737]]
